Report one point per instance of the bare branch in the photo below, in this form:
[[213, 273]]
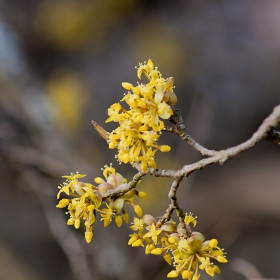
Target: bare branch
[[264, 131], [180, 129], [186, 232]]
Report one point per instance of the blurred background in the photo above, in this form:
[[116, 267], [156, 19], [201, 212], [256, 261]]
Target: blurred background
[[62, 64]]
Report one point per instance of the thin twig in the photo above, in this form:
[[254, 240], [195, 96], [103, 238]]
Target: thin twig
[[180, 129]]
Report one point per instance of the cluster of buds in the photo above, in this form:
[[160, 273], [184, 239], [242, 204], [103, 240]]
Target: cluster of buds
[[87, 199], [140, 127], [187, 254]]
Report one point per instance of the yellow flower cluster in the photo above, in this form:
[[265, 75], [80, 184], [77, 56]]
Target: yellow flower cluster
[[188, 255], [140, 126], [87, 199]]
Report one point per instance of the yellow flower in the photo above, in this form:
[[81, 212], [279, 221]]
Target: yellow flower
[[71, 181], [137, 224], [190, 219], [188, 254], [153, 233], [140, 127], [107, 214]]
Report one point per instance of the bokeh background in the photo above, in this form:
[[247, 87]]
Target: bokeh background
[[62, 64]]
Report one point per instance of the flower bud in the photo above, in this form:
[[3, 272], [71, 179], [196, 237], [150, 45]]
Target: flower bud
[[142, 195], [115, 179], [172, 274], [197, 236], [137, 243], [222, 259], [156, 251], [78, 186], [127, 86], [70, 222], [63, 203], [168, 258], [149, 220], [104, 187], [168, 227], [138, 210], [174, 236], [132, 240], [216, 269], [88, 236], [164, 148], [130, 194], [125, 217], [149, 248], [77, 223], [98, 180], [187, 274], [117, 205], [118, 221]]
